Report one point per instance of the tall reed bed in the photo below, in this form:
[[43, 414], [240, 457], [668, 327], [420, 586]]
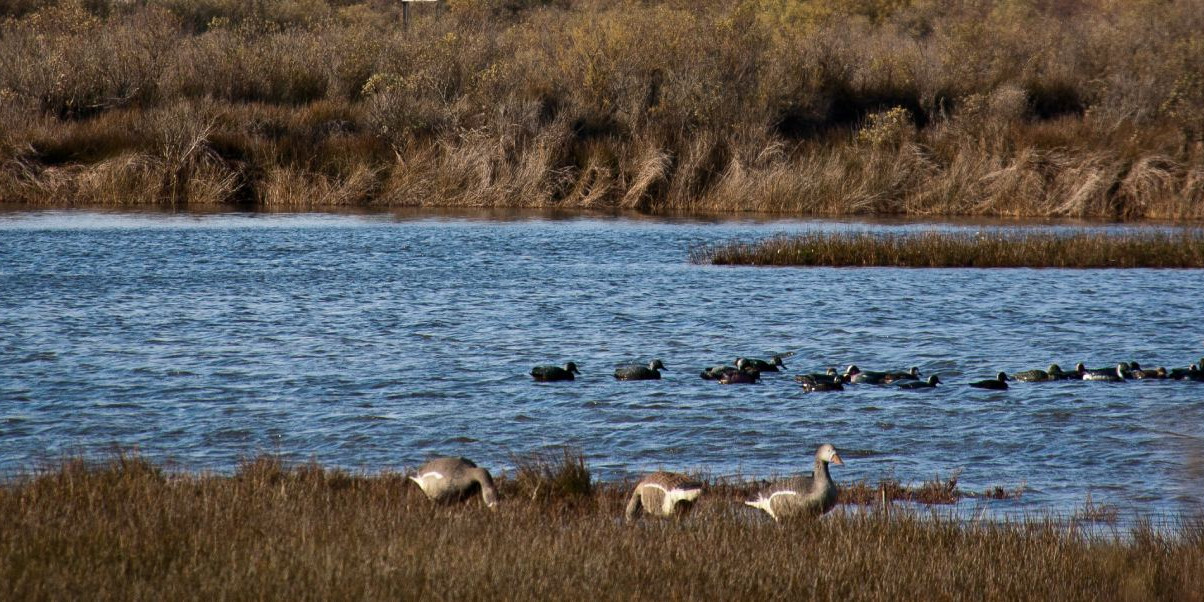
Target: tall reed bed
[[954, 249], [126, 529], [920, 107]]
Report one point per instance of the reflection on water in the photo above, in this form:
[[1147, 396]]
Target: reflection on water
[[375, 341]]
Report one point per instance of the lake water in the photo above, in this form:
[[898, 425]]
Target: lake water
[[373, 342]]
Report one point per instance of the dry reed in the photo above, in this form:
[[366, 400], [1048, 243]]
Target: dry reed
[[126, 529], [917, 107], [952, 249]]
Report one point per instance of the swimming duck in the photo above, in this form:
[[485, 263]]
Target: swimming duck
[[1182, 373], [663, 494], [636, 372], [868, 377], [1053, 373], [554, 373], [912, 374], [1141, 373], [1113, 375], [830, 376], [932, 382], [446, 480], [802, 496], [764, 366], [817, 386], [999, 383], [742, 376]]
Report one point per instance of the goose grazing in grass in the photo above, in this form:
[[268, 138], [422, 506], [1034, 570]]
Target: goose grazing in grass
[[663, 494], [554, 373], [802, 496], [1035, 376], [1111, 375], [931, 383], [636, 372], [764, 366], [999, 383], [447, 480]]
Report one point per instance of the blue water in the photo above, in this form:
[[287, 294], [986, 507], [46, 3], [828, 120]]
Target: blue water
[[374, 342]]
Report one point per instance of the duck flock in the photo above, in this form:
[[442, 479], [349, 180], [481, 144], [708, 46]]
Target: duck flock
[[666, 494]]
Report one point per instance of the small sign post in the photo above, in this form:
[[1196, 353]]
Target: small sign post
[[405, 11]]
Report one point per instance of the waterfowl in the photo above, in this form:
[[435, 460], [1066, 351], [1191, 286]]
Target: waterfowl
[[763, 365], [830, 376], [1053, 373], [446, 480], [1141, 373], [817, 386], [868, 377], [1182, 373], [636, 372], [999, 383], [554, 373], [912, 374], [1116, 374], [802, 496], [741, 376], [932, 382], [663, 494]]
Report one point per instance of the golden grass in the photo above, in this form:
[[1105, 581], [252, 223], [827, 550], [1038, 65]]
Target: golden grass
[[913, 107], [983, 249], [125, 529]]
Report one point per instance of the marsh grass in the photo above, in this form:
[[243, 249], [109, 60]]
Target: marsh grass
[[127, 529], [981, 249], [1084, 109]]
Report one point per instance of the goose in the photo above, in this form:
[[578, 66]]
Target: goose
[[446, 480], [663, 494], [1053, 373], [764, 366], [931, 383], [802, 496], [636, 372], [1113, 375], [554, 373], [999, 383]]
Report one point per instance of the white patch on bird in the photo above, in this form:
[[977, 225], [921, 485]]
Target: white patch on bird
[[427, 479], [673, 496]]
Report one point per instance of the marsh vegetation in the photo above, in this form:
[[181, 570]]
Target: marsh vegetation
[[970, 249], [918, 107], [128, 529]]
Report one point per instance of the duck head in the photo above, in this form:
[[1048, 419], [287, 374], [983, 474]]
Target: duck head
[[572, 367], [656, 365]]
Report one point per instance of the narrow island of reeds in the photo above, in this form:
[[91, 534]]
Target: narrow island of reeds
[[964, 249], [1085, 108], [126, 529]]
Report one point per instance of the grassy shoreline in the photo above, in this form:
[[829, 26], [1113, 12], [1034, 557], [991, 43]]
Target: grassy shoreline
[[125, 529], [851, 107], [979, 249]]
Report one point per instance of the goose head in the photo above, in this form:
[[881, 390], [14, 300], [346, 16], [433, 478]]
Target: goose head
[[827, 454]]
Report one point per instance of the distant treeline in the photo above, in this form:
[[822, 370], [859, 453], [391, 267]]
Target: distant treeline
[[1076, 108]]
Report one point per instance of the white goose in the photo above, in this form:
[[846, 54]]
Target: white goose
[[446, 480], [802, 496], [663, 494]]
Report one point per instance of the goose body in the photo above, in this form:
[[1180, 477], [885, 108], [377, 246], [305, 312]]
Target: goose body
[[637, 372], [1053, 373], [663, 494], [999, 383], [447, 480], [802, 496], [931, 383], [554, 373]]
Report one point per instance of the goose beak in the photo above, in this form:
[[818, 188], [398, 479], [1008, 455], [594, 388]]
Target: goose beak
[[836, 460]]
